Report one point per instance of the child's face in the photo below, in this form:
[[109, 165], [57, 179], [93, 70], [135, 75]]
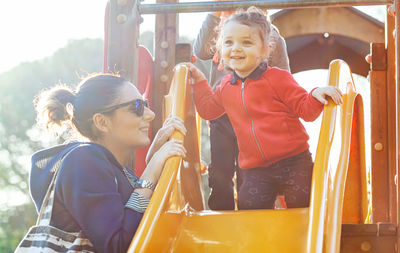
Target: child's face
[[242, 48]]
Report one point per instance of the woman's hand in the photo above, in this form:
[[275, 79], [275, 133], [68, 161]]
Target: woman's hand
[[169, 149], [160, 150], [320, 94], [195, 73], [171, 124], [156, 164]]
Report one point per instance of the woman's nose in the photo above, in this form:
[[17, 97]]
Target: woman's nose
[[148, 114]]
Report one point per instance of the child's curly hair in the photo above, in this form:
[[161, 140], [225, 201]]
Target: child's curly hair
[[252, 17]]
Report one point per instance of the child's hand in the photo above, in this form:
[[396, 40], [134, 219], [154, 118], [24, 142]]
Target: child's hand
[[195, 73], [320, 94]]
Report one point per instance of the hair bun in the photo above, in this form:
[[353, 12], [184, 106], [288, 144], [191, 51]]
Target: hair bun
[[51, 106]]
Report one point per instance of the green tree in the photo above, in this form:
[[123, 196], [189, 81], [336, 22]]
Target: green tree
[[18, 140], [14, 224], [19, 87]]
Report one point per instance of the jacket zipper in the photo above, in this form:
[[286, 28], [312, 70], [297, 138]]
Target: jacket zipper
[[252, 124]]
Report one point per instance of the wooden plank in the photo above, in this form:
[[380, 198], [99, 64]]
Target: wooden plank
[[165, 40], [360, 238], [183, 52], [397, 85], [123, 31], [319, 53], [392, 123], [342, 21], [377, 229], [378, 56], [379, 148]]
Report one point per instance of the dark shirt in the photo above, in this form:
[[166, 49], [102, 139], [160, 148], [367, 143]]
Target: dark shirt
[[90, 195]]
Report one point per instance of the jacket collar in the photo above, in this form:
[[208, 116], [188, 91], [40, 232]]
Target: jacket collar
[[253, 75]]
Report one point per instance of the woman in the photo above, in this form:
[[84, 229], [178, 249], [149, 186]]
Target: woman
[[93, 190]]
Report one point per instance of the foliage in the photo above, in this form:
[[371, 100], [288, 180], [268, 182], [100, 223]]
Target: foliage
[[18, 137], [14, 224], [18, 88]]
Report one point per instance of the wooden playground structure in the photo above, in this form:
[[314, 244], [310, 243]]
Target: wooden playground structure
[[341, 217]]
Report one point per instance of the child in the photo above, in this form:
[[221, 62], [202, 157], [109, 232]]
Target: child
[[223, 143], [264, 105]]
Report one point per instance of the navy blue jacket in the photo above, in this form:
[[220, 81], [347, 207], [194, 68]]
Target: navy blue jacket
[[90, 195]]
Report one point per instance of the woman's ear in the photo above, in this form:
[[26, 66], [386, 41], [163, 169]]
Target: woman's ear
[[101, 122]]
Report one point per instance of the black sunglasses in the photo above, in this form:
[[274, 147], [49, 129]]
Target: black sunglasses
[[138, 106]]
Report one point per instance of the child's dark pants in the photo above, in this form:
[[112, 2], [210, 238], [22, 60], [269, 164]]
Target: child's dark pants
[[290, 177]]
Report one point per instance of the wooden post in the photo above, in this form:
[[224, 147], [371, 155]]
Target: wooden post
[[392, 116], [397, 85], [123, 34], [165, 38], [379, 135]]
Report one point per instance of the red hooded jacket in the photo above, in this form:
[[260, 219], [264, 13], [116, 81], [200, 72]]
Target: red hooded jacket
[[264, 113]]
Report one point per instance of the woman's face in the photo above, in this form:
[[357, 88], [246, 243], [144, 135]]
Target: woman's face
[[127, 128]]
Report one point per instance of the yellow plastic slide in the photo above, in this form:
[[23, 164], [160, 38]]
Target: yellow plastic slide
[[176, 220]]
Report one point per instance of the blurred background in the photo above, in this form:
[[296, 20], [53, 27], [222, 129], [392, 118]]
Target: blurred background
[[46, 42]]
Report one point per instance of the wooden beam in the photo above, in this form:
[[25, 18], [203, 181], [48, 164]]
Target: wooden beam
[[123, 34], [360, 238], [318, 55], [379, 147], [397, 86], [166, 32], [392, 115], [340, 21], [211, 6]]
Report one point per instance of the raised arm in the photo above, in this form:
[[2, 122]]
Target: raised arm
[[279, 56], [204, 45]]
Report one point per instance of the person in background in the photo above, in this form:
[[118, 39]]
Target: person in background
[[223, 143], [95, 192], [264, 105]]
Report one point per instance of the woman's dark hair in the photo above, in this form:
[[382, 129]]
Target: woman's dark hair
[[61, 104]]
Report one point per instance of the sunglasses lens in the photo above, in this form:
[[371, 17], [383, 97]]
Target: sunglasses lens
[[139, 106]]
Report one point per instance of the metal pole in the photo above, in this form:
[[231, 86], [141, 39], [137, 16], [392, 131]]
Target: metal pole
[[266, 4]]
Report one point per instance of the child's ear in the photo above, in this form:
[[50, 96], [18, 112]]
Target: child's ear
[[101, 122]]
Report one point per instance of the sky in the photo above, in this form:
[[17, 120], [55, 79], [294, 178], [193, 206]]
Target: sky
[[32, 30]]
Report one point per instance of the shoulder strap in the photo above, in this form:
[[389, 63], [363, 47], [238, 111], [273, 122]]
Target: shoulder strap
[[46, 209], [130, 178]]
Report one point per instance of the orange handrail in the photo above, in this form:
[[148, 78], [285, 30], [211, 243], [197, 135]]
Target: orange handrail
[[168, 183], [328, 188]]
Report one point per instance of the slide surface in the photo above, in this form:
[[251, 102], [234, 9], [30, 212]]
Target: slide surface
[[176, 220]]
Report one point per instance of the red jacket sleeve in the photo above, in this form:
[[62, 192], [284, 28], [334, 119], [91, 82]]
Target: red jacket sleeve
[[208, 103], [302, 103]]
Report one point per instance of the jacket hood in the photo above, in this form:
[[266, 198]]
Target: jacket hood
[[42, 170]]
